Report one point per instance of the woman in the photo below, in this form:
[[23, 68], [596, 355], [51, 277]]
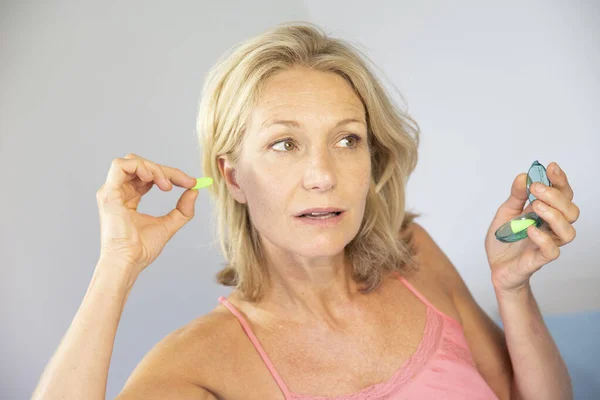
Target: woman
[[337, 292]]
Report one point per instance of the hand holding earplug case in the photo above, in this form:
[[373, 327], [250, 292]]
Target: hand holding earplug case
[[516, 229]]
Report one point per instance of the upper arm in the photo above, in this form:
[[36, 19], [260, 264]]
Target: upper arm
[[165, 373], [485, 339]]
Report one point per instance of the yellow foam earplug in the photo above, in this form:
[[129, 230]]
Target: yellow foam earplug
[[520, 224], [202, 183]]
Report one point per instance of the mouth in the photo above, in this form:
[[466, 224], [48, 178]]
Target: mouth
[[320, 216]]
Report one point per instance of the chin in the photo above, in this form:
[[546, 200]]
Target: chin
[[320, 248]]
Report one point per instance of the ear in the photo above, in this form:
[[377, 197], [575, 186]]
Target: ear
[[228, 173]]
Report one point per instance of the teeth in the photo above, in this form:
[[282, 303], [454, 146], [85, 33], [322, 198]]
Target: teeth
[[321, 215]]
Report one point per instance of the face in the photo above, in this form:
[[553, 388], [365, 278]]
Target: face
[[319, 158]]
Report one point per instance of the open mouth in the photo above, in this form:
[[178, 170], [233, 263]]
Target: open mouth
[[321, 215]]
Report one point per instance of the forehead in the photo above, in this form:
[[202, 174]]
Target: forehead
[[304, 91]]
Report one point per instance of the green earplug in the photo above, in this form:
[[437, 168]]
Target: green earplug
[[517, 225], [202, 183]]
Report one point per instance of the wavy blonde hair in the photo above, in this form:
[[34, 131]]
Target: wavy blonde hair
[[231, 89]]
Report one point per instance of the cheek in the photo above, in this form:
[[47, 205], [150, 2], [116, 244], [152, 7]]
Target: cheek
[[265, 192], [266, 166], [358, 176]]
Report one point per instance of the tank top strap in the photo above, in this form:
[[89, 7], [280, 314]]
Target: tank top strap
[[256, 343], [423, 299]]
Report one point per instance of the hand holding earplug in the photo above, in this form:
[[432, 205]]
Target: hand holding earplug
[[132, 240]]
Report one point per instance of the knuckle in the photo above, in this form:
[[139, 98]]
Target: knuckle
[[556, 252], [101, 196], [131, 155], [576, 213], [573, 234], [161, 172], [553, 253], [149, 165], [146, 166]]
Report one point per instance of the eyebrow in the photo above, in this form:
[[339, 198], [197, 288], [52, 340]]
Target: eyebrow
[[295, 124]]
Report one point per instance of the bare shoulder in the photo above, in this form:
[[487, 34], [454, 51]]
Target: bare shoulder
[[436, 278], [485, 339], [438, 273], [182, 364], [438, 270]]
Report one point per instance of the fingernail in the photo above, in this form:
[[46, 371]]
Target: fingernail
[[541, 206], [556, 169], [540, 188]]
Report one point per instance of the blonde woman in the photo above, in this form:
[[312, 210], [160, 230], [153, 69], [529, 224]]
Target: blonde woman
[[337, 292]]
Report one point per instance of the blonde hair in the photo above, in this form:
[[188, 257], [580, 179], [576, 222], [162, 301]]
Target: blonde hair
[[231, 89]]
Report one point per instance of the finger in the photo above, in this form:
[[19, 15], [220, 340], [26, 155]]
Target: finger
[[559, 180], [556, 198], [181, 214], [564, 231], [168, 174], [178, 177], [514, 204], [124, 170], [160, 177], [547, 252], [143, 183], [132, 166], [141, 187]]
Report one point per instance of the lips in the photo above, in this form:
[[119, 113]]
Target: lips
[[320, 210], [335, 214]]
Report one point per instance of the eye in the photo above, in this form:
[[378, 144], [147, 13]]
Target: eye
[[351, 137], [284, 141]]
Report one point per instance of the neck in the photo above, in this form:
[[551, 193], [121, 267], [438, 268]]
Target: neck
[[318, 291]]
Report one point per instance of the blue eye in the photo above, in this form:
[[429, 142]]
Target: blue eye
[[356, 138]]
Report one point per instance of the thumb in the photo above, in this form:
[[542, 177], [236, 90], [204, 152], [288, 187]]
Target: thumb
[[513, 206], [183, 212]]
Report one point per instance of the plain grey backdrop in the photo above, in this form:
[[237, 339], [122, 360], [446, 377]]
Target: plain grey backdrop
[[493, 86]]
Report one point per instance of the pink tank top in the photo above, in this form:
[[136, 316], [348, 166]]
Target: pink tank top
[[440, 368]]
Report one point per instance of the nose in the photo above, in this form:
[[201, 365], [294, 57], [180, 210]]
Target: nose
[[320, 174]]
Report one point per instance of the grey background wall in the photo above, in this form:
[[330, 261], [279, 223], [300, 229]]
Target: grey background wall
[[493, 87]]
